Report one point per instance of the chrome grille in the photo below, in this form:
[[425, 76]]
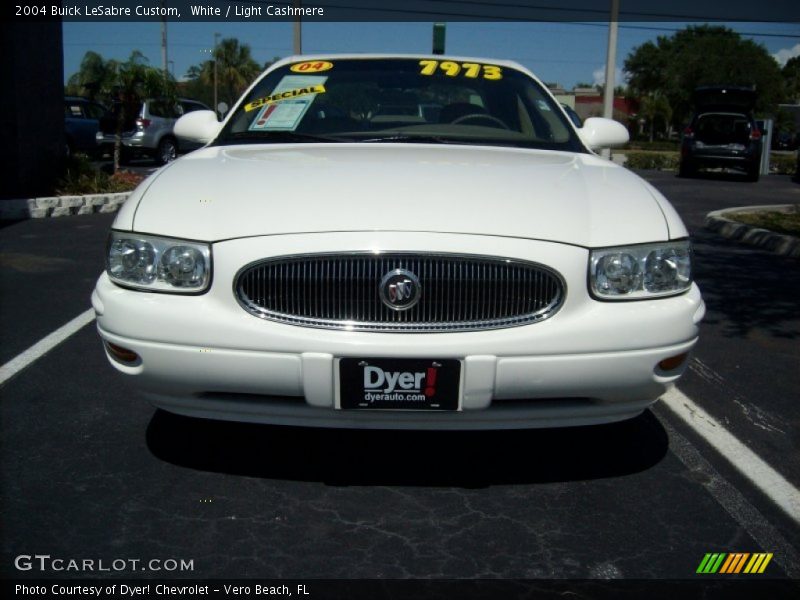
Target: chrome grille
[[340, 291]]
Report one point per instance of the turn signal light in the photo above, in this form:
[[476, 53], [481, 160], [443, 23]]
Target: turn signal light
[[122, 354], [673, 362]]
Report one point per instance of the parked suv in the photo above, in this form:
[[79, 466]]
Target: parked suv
[[723, 132], [81, 124], [148, 130]]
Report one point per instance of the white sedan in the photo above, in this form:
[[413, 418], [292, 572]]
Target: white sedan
[[399, 242]]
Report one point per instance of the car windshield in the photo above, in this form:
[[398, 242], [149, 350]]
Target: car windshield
[[400, 100]]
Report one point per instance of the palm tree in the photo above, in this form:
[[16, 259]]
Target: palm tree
[[135, 81], [236, 69], [655, 106], [95, 77]]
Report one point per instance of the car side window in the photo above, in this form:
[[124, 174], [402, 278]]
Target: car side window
[[164, 109]]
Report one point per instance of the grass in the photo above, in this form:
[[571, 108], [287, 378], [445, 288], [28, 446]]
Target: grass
[[787, 223]]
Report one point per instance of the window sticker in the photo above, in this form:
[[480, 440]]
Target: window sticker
[[281, 116], [466, 69], [291, 86], [285, 107], [311, 66]]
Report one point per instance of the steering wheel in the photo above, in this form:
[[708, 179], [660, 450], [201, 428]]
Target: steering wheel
[[479, 116]]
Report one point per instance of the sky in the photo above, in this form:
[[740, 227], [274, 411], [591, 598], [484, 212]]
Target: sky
[[564, 53]]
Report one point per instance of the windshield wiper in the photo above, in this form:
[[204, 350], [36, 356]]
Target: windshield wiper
[[282, 136]]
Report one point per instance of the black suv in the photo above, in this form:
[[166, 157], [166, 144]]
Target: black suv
[[723, 132]]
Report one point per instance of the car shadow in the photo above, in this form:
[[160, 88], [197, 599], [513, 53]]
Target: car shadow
[[467, 459]]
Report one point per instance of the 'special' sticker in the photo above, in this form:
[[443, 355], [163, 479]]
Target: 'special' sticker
[[286, 95]]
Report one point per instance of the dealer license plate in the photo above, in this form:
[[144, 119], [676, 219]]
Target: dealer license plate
[[399, 384]]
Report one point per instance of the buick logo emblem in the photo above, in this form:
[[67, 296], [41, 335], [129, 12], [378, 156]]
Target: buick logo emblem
[[400, 289]]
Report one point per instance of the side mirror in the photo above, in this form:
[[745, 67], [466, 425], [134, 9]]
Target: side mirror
[[603, 133], [200, 126]]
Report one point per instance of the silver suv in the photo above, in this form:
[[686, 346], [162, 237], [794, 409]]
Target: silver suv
[[149, 131]]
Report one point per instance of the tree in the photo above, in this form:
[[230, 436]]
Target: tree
[[135, 81], [121, 84], [706, 55], [193, 86], [653, 108], [791, 79], [236, 69], [94, 79]]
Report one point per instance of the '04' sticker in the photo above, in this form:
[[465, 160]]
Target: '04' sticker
[[311, 66]]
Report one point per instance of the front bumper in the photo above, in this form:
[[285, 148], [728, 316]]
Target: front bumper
[[592, 362], [132, 141]]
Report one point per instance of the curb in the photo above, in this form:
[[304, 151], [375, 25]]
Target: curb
[[785, 245], [61, 206]]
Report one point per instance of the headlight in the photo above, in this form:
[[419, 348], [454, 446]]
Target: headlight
[[646, 271], [158, 264]]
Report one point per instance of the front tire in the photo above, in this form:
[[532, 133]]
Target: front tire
[[167, 151]]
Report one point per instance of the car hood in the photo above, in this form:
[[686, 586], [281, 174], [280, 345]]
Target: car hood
[[219, 193]]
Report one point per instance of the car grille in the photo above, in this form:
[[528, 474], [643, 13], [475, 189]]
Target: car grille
[[341, 291]]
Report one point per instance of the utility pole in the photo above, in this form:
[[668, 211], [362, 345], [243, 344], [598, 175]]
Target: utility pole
[[611, 65], [298, 32], [438, 38], [216, 37], [164, 63]]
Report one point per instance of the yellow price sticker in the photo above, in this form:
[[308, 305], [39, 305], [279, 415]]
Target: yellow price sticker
[[311, 66], [454, 69]]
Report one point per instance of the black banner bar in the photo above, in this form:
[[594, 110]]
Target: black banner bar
[[401, 10], [707, 587]]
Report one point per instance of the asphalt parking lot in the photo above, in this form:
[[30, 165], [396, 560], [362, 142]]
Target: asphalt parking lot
[[88, 470]]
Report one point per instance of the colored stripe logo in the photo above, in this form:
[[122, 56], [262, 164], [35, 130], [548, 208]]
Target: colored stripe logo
[[734, 563]]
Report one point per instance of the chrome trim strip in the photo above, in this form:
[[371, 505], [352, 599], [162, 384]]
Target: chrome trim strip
[[440, 280]]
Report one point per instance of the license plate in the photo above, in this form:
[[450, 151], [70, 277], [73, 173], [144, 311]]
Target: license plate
[[399, 384]]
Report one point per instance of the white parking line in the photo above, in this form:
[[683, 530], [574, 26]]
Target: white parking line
[[747, 462], [43, 346], [732, 500]]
